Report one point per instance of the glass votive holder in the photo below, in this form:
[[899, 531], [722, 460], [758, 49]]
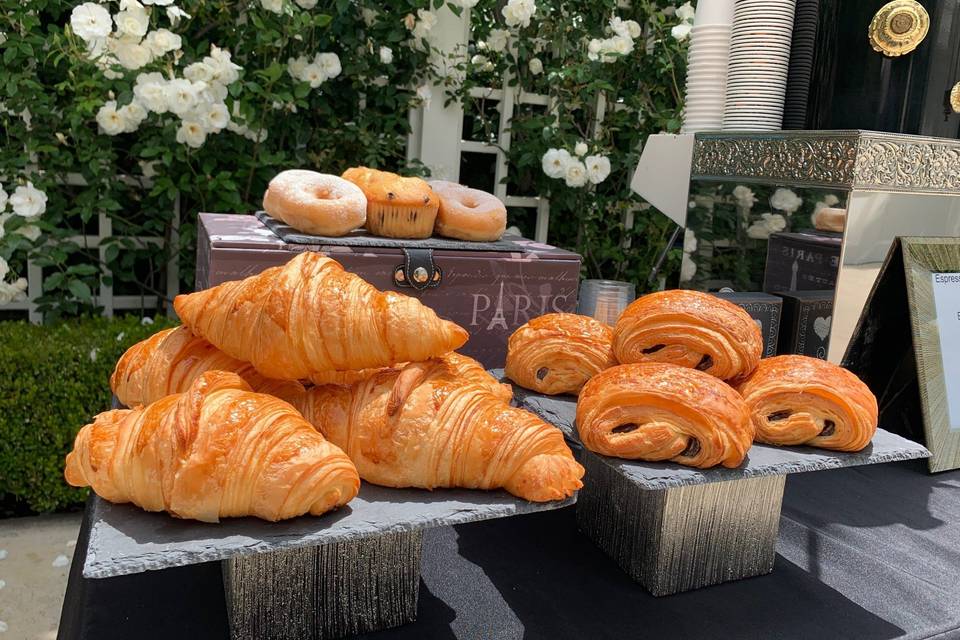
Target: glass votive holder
[[605, 300]]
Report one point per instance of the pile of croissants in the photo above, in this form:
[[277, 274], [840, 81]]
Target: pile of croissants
[[680, 378], [221, 423]]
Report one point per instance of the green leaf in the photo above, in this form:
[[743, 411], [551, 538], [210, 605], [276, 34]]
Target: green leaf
[[80, 289]]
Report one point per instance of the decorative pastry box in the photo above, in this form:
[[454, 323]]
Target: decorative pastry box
[[802, 261], [765, 309], [488, 288], [805, 327]]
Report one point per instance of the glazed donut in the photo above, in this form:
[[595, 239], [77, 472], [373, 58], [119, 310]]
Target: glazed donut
[[468, 214], [316, 203]]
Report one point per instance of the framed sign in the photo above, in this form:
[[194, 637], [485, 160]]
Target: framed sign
[[906, 346]]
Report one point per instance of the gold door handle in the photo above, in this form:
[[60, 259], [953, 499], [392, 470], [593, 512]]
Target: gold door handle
[[899, 27], [955, 98]]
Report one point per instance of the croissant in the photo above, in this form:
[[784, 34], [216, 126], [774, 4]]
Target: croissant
[[218, 450], [170, 360], [559, 352], [428, 425], [310, 316], [652, 411], [802, 400], [464, 365], [689, 329]]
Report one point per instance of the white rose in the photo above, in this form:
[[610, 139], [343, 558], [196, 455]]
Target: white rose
[[633, 29], [3, 201], [688, 268], [159, 3], [28, 201], [621, 45], [689, 241], [130, 54], [224, 70], [90, 22], [182, 95], [831, 200], [576, 174], [536, 66], [13, 292], [686, 12], [150, 91], [215, 116], [767, 224], [4, 268], [497, 40], [681, 31], [306, 4], [175, 14], [580, 149], [329, 64], [192, 134], [386, 55], [519, 12], [296, 67], [594, 47], [369, 16], [162, 41], [785, 200], [468, 4], [215, 92], [133, 20], [313, 74], [619, 27], [132, 115], [426, 21], [598, 168], [744, 196], [425, 93], [110, 120], [275, 6], [554, 162], [198, 72]]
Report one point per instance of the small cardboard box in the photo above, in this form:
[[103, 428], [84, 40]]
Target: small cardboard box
[[765, 309], [803, 261], [805, 327], [489, 293]]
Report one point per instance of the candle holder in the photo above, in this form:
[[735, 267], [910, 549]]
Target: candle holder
[[605, 300]]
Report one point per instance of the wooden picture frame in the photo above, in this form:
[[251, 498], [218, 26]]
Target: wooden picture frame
[[897, 348]]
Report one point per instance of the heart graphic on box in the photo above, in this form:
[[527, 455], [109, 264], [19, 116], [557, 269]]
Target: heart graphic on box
[[821, 327]]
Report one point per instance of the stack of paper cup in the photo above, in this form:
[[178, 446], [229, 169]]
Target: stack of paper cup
[[707, 66], [759, 63]]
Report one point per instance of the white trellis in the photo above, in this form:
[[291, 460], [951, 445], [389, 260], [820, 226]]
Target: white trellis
[[104, 296]]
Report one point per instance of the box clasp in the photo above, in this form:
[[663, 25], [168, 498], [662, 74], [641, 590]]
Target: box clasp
[[418, 270]]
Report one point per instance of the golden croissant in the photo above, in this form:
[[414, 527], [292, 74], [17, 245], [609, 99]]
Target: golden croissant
[[170, 360], [427, 425], [464, 365], [559, 352], [802, 400], [311, 316], [689, 329], [218, 450], [652, 411]]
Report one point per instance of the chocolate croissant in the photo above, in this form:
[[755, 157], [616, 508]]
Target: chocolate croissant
[[689, 329], [310, 316], [170, 360], [801, 400], [427, 425], [558, 352], [652, 411], [218, 450]]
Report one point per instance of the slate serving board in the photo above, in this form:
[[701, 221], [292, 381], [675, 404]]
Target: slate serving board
[[124, 539], [361, 238], [762, 460]]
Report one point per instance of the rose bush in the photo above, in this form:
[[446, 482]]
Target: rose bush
[[117, 110]]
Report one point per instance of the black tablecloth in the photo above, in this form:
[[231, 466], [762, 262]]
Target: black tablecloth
[[868, 552]]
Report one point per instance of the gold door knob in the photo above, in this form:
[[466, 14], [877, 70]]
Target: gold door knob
[[899, 27], [955, 98]]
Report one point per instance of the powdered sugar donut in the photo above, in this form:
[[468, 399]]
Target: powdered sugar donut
[[316, 203], [468, 214]]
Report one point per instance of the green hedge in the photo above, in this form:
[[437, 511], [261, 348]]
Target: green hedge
[[54, 380]]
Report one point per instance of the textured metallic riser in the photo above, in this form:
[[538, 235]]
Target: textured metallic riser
[[324, 592], [683, 538]]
